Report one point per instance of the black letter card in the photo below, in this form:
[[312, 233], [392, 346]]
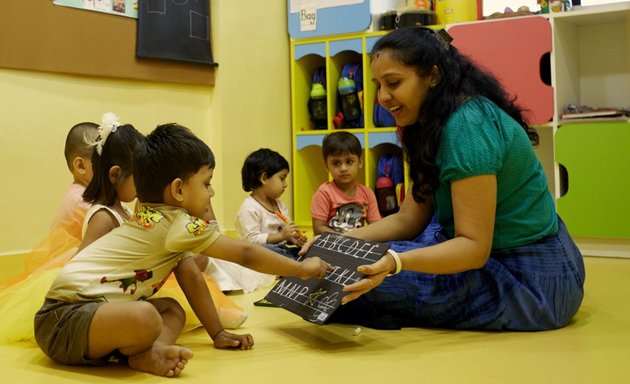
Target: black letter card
[[316, 299]]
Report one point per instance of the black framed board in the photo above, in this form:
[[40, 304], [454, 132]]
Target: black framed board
[[316, 299], [175, 30]]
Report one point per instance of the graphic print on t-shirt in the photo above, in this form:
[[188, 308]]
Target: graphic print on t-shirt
[[347, 217]]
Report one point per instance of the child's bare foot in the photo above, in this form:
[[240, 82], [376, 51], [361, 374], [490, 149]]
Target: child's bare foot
[[161, 360]]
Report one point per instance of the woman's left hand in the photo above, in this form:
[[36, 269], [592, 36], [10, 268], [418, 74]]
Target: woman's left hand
[[374, 275]]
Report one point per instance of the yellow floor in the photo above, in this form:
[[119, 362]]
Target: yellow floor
[[595, 348]]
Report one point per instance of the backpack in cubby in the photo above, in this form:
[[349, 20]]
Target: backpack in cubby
[[382, 117], [350, 96], [390, 180], [317, 104]]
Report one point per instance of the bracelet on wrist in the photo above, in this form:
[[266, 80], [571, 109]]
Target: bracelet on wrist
[[396, 258]]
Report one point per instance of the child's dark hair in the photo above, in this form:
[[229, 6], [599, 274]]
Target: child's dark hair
[[341, 142], [77, 141], [258, 162], [460, 78], [171, 151], [118, 149]]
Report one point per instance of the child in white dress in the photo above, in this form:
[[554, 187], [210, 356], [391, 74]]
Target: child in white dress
[[263, 217]]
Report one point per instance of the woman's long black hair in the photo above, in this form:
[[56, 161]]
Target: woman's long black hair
[[459, 79]]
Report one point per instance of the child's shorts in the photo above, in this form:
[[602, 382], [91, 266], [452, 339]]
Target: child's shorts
[[61, 331]]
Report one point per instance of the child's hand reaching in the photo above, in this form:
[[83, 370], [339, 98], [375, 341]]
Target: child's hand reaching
[[225, 340], [307, 244], [314, 267], [293, 234]]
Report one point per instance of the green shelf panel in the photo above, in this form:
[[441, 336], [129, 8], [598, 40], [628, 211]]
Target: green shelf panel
[[597, 159]]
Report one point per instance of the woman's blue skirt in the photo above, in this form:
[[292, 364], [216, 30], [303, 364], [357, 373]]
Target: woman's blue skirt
[[527, 288]]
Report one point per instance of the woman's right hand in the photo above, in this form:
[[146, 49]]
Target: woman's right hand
[[374, 273]]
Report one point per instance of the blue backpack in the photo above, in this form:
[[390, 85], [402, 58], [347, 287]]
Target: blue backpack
[[390, 184], [316, 104], [382, 117], [350, 96]]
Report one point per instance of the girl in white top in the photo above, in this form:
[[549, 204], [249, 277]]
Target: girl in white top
[[262, 218], [258, 224]]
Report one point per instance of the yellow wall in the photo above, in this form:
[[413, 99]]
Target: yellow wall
[[248, 108]]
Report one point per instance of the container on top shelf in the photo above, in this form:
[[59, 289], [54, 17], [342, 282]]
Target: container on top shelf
[[350, 94], [346, 64], [318, 102], [310, 59], [457, 11]]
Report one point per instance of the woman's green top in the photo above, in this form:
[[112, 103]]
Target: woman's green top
[[481, 139]]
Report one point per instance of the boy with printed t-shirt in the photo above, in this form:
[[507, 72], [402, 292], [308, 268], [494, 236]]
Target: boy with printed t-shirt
[[343, 203], [101, 304]]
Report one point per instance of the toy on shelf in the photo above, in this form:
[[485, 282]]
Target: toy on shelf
[[508, 12]]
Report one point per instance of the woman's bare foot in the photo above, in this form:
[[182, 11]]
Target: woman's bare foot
[[161, 360]]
